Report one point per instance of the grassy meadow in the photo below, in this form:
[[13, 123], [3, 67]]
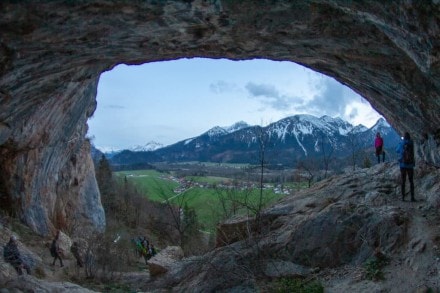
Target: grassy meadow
[[210, 197]]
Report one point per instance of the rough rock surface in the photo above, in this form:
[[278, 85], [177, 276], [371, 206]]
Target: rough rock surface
[[27, 283], [164, 260], [52, 53], [329, 232], [7, 272], [330, 214]]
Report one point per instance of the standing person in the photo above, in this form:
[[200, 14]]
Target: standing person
[[152, 250], [55, 250], [405, 149], [378, 144], [74, 249], [12, 256]]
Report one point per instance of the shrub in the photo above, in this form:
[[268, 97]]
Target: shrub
[[373, 269], [285, 285], [367, 162]]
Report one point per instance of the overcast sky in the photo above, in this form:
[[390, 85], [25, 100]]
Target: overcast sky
[[170, 101]]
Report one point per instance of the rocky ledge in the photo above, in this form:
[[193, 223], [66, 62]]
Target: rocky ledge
[[329, 232]]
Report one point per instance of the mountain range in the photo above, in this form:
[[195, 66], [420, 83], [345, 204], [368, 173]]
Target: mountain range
[[285, 142]]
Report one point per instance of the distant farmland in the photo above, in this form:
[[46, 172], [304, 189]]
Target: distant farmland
[[213, 198]]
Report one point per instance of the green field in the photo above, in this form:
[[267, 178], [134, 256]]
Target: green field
[[206, 201], [154, 184]]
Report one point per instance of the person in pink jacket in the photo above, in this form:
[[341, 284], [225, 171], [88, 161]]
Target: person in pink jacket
[[378, 145]]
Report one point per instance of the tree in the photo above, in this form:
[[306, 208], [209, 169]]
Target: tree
[[354, 145], [327, 152], [104, 176], [367, 162], [310, 167], [262, 143], [183, 218]]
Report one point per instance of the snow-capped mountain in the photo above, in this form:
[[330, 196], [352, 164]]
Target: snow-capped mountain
[[218, 131], [236, 126], [359, 128], [285, 142], [381, 126], [149, 146]]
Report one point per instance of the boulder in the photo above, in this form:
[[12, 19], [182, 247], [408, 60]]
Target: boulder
[[65, 243], [234, 230], [164, 260]]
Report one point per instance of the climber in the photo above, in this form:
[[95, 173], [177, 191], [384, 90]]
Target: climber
[[12, 256]]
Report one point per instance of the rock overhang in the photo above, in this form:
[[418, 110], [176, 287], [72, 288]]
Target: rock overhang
[[52, 53]]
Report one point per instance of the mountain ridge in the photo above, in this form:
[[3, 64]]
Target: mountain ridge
[[286, 142]]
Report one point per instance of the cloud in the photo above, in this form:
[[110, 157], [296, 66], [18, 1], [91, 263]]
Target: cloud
[[264, 90], [331, 99], [270, 96], [353, 113], [221, 86], [334, 99]]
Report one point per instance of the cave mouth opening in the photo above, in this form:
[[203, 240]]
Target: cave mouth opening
[[160, 103]]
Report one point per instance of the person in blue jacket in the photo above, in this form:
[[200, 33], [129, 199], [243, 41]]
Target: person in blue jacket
[[405, 149]]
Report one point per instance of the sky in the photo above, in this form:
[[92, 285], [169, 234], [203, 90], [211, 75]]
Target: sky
[[166, 102]]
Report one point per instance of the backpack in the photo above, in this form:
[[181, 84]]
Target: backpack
[[408, 153], [6, 252], [53, 248]]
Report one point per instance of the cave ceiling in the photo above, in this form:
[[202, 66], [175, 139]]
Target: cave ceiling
[[53, 52]]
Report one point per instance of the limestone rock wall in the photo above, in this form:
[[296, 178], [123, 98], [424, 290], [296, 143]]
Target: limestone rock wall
[[52, 53]]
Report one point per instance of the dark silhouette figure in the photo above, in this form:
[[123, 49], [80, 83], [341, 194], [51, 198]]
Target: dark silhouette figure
[[407, 162], [74, 249], [378, 145], [12, 256], [55, 250], [152, 250]]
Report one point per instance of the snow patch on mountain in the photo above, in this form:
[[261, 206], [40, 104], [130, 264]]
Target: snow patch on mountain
[[359, 128], [380, 124], [304, 129], [317, 145], [306, 124], [295, 133], [219, 131], [236, 126], [344, 131], [188, 141], [216, 131], [148, 147], [280, 130], [108, 150]]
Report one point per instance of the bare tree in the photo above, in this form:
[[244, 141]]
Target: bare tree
[[230, 199], [354, 145], [183, 218], [327, 152], [309, 167]]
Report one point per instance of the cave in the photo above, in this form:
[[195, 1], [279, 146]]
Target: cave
[[53, 52]]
